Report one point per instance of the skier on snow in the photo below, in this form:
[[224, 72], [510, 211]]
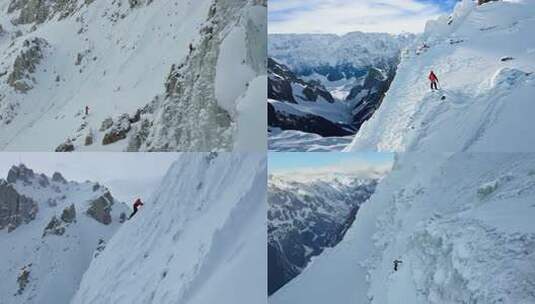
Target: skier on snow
[[434, 80], [86, 110], [137, 204], [396, 264]]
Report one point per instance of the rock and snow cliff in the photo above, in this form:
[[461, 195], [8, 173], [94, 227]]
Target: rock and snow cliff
[[50, 229], [200, 239], [484, 57], [131, 63], [307, 216], [461, 224]]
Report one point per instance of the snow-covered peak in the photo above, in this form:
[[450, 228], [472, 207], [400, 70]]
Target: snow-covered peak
[[303, 52], [54, 227]]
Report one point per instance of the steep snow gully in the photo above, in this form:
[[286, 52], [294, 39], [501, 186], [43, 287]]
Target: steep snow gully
[[484, 57], [461, 223]]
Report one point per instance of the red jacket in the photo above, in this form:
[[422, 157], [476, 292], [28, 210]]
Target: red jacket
[[432, 76], [138, 203]]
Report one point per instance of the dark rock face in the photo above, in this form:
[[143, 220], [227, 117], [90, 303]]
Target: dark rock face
[[25, 65], [118, 131], [20, 173], [367, 98], [306, 123], [280, 85], [69, 214], [100, 208], [304, 219], [58, 178], [67, 146], [15, 209], [55, 226], [24, 278]]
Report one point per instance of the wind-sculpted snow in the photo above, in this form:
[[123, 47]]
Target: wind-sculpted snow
[[484, 57], [200, 239], [461, 224]]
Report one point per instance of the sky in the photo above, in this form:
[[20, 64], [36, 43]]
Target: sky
[[128, 175], [343, 16], [332, 162]]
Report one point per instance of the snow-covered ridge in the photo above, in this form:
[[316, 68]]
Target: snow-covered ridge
[[303, 52], [460, 239], [53, 242], [201, 239], [484, 57]]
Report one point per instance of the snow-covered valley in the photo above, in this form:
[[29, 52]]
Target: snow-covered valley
[[153, 74], [322, 88], [307, 216]]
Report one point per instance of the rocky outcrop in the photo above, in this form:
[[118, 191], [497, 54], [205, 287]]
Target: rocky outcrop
[[38, 11], [58, 178], [55, 226], [118, 131], [26, 63], [69, 214], [15, 209], [367, 98], [24, 278], [20, 173], [280, 85], [100, 208], [66, 146]]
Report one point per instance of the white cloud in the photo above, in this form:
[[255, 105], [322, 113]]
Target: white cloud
[[342, 16], [356, 168]]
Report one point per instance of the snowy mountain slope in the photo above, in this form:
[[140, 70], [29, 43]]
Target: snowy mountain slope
[[55, 247], [461, 240], [484, 57], [306, 216], [200, 239], [116, 57]]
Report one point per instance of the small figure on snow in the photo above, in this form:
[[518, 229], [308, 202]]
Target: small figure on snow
[[137, 204], [190, 48], [86, 110], [434, 80], [396, 264]]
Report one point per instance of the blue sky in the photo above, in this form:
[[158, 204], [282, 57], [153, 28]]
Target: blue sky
[[282, 162], [342, 16]]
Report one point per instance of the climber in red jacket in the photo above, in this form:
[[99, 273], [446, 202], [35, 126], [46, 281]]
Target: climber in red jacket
[[434, 80], [137, 204]]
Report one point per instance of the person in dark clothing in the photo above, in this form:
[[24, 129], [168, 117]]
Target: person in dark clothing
[[190, 48], [434, 80], [86, 110], [137, 204], [396, 264]]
